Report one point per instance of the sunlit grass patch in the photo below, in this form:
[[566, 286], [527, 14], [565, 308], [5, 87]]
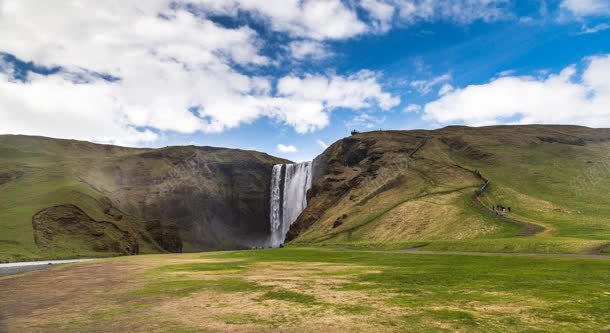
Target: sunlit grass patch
[[352, 309], [288, 295], [187, 287], [461, 317], [218, 267], [243, 319]]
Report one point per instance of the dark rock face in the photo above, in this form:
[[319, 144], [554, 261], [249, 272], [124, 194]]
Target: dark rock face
[[563, 140], [343, 166], [67, 227], [6, 177], [459, 145], [166, 235], [216, 198]]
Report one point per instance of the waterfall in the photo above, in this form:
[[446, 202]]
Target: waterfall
[[289, 185], [275, 213]]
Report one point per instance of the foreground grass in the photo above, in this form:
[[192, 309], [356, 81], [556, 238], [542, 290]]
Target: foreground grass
[[324, 290]]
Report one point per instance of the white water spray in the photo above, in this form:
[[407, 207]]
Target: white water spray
[[289, 185]]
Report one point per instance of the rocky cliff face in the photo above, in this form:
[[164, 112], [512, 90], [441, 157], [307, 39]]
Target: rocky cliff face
[[130, 200], [348, 174], [217, 198]]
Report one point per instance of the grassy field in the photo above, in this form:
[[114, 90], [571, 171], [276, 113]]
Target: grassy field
[[292, 290]]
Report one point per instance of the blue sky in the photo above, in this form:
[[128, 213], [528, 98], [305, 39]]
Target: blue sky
[[290, 77]]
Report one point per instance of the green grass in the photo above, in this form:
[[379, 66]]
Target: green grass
[[562, 294], [221, 267], [183, 288], [290, 296], [361, 245], [518, 245], [293, 288], [243, 319], [557, 186]]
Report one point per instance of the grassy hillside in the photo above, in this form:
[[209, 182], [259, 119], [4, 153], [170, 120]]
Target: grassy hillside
[[127, 200], [386, 189], [376, 191]]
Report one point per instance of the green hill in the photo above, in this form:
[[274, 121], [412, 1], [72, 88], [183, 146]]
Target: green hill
[[64, 198], [384, 189], [396, 189]]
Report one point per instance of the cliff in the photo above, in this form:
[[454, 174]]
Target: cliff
[[62, 198]]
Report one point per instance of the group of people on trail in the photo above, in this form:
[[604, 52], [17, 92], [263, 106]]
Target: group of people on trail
[[501, 210]]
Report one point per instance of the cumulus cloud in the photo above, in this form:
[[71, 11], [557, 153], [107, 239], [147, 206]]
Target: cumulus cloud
[[424, 87], [175, 71], [413, 108], [445, 89], [568, 97], [336, 19], [328, 19], [460, 11], [308, 49], [314, 96], [595, 29], [381, 14], [366, 121], [587, 7], [286, 148]]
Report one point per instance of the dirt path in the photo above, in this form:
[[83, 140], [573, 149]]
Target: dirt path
[[506, 254], [33, 299]]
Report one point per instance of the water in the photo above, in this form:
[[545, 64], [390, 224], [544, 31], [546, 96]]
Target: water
[[289, 185], [21, 267], [275, 214]]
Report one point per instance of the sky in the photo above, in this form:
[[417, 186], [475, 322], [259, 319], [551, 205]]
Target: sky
[[291, 77]]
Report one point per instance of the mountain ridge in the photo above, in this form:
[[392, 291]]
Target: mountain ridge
[[386, 189]]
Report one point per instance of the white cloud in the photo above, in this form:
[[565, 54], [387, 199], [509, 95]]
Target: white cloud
[[424, 87], [286, 149], [569, 97], [445, 89], [336, 19], [381, 14], [366, 121], [322, 144], [7, 68], [595, 29], [460, 11], [413, 108], [175, 71], [320, 20], [308, 49], [587, 7], [312, 97], [507, 72]]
